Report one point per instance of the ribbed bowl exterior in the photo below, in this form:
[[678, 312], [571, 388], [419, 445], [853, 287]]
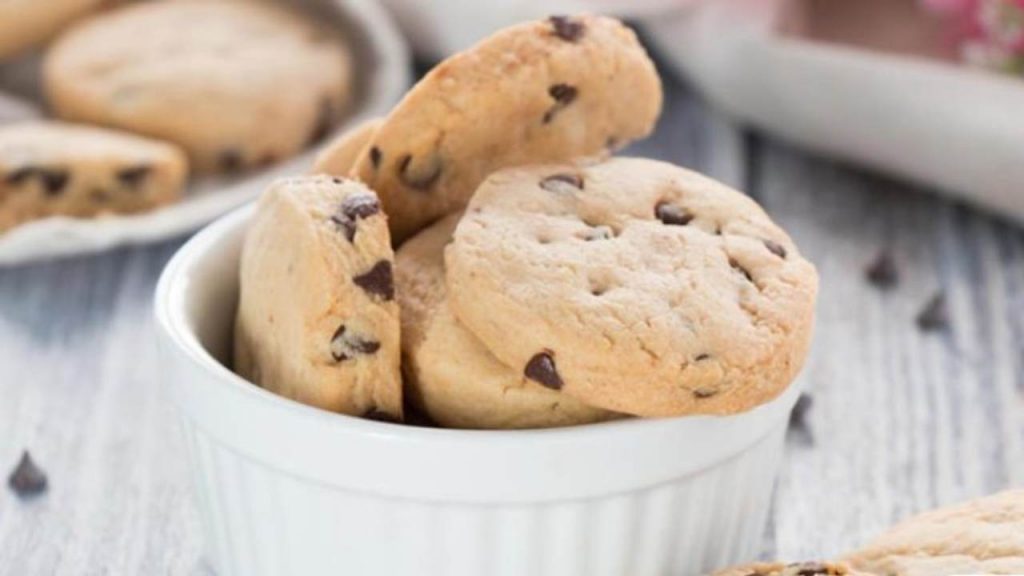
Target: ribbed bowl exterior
[[265, 522]]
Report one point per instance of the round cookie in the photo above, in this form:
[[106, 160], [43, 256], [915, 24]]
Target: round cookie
[[339, 156], [27, 23], [797, 569], [538, 92], [450, 376], [317, 320], [55, 169], [249, 84], [983, 536], [633, 285]]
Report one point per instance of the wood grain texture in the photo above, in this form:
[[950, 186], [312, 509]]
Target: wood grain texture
[[902, 421]]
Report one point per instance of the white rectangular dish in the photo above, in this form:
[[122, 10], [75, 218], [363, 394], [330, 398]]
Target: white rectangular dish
[[289, 489]]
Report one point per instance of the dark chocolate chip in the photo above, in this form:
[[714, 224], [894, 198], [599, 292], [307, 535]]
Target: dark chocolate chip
[[702, 393], [541, 369], [562, 183], [379, 281], [20, 176], [563, 95], [133, 176], [230, 161], [27, 479], [812, 569], [739, 268], [380, 416], [420, 175], [566, 28], [672, 214], [323, 123], [53, 179], [702, 357], [375, 157], [346, 345], [352, 209], [775, 248], [882, 272], [934, 315]]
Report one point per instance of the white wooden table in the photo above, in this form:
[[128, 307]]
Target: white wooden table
[[901, 420]]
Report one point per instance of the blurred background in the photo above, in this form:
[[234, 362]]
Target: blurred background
[[884, 135]]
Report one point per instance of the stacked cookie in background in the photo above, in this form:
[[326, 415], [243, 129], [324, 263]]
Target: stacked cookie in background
[[539, 281], [231, 85]]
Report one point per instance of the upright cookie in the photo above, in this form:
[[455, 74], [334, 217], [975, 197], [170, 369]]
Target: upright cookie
[[449, 374], [339, 156], [317, 318], [633, 285], [54, 169], [984, 536], [538, 92], [27, 23], [796, 569], [247, 85]]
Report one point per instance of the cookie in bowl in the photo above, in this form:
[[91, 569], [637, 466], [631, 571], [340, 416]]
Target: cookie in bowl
[[317, 319], [450, 375], [633, 285], [250, 84], [57, 169]]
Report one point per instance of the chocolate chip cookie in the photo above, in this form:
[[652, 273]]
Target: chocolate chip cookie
[[27, 23], [339, 156], [450, 375], [538, 92], [984, 536], [796, 569], [237, 84], [55, 169], [633, 285], [317, 318]]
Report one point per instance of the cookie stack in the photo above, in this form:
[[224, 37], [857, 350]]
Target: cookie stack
[[201, 81], [539, 281]]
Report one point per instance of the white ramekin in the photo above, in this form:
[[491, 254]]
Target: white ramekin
[[286, 489]]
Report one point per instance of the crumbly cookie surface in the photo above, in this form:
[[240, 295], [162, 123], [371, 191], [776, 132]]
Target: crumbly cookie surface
[[56, 169], [317, 318], [633, 285], [538, 92], [449, 374], [27, 23], [339, 156], [984, 536], [249, 84]]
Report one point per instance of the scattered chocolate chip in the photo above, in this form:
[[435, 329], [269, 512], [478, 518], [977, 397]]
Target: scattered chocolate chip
[[562, 183], [27, 479], [20, 176], [133, 176], [882, 272], [739, 268], [53, 180], [422, 175], [378, 281], [702, 393], [775, 248], [230, 161], [563, 95], [934, 315], [352, 209], [672, 214], [598, 233], [541, 369], [811, 569], [375, 157], [380, 416], [345, 345], [323, 123], [702, 357], [566, 28]]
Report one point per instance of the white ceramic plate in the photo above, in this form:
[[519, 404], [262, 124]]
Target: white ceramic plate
[[383, 75]]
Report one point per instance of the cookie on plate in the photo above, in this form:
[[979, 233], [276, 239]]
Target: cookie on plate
[[55, 169], [796, 569], [984, 536], [339, 156], [450, 376], [248, 85], [317, 318], [27, 23], [538, 92], [633, 285]]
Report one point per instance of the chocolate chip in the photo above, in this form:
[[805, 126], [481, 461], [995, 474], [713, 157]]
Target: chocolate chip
[[672, 214], [421, 175], [702, 393], [133, 176], [702, 357], [267, 160], [27, 479], [20, 176], [739, 268], [53, 180], [775, 248], [380, 416], [323, 123], [566, 28], [541, 369], [812, 569], [612, 143], [352, 209], [230, 161], [378, 281], [563, 94], [562, 183], [934, 315], [100, 196], [882, 272], [375, 156], [346, 345]]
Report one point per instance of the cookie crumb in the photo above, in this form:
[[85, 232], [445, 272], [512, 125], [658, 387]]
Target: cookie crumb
[[882, 272], [934, 316], [27, 479]]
